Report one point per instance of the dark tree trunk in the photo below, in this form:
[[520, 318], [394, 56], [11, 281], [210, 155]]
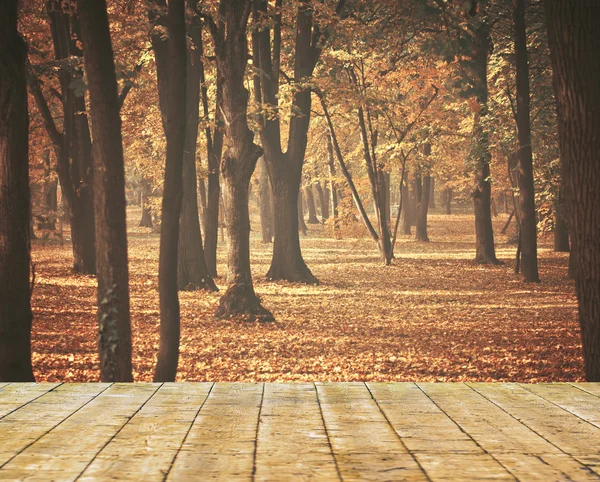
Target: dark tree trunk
[[332, 184], [423, 209], [561, 226], [528, 231], [432, 194], [202, 190], [168, 351], [574, 40], [310, 203], [448, 200], [15, 288], [192, 273], [114, 326], [301, 224], [146, 221], [323, 201], [406, 209], [264, 201], [239, 161], [388, 195]]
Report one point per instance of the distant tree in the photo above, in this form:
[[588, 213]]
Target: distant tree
[[114, 324], [574, 43], [168, 352], [15, 287], [239, 160]]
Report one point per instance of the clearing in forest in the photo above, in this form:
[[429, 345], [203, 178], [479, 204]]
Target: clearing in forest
[[434, 315]]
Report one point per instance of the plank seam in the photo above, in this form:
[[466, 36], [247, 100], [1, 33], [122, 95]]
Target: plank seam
[[117, 433], [583, 390], [561, 407], [52, 428], [466, 433], [32, 400], [254, 455], [337, 467], [534, 431], [410, 452], [187, 433]]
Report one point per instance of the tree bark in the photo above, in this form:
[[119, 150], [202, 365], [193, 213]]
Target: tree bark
[[323, 201], [574, 40], [448, 200], [310, 203], [264, 200], [15, 287], [561, 225], [432, 193], [332, 184], [528, 231], [239, 161], [301, 224], [192, 273], [168, 351], [114, 326], [406, 209], [423, 209]]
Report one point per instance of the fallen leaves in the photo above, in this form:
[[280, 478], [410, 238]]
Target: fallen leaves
[[433, 316]]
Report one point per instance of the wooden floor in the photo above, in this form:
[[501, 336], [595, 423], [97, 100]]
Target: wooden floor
[[321, 431]]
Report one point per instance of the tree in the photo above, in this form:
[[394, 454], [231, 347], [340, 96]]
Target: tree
[[574, 43], [168, 351], [114, 324], [528, 222], [15, 286], [285, 168], [239, 160]]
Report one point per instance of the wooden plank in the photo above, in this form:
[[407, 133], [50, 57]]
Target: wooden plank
[[146, 447], [292, 443], [66, 450], [26, 425], [569, 433], [589, 387], [221, 442], [439, 445], [578, 402], [521, 451], [13, 396], [364, 444]]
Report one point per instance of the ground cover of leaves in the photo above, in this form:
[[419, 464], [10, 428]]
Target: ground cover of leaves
[[433, 316]]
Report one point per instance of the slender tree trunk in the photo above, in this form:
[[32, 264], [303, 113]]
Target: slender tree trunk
[[574, 41], [301, 224], [114, 333], [15, 288], [192, 273], [202, 190], [406, 209], [168, 351], [561, 226], [146, 221], [528, 232], [264, 201], [423, 209], [432, 193], [323, 201], [239, 161], [448, 200], [310, 203], [332, 184]]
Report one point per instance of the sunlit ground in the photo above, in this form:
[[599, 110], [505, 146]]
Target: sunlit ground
[[434, 315]]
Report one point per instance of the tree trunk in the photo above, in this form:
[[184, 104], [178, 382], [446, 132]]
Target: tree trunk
[[146, 221], [301, 224], [406, 209], [432, 193], [239, 161], [528, 231], [561, 226], [15, 288], [264, 201], [423, 209], [192, 273], [114, 326], [310, 203], [202, 192], [448, 200], [323, 201], [168, 351], [574, 41], [388, 195], [332, 185]]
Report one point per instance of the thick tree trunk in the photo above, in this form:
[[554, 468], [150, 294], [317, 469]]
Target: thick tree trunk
[[528, 231], [561, 226], [574, 41], [192, 273], [264, 201], [168, 351], [423, 209], [239, 161], [15, 288], [310, 203], [114, 333]]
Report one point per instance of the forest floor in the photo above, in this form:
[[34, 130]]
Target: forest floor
[[434, 315]]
